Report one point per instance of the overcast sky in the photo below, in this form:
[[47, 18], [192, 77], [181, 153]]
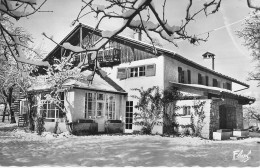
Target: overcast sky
[[232, 58]]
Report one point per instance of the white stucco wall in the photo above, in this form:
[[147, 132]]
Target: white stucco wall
[[77, 108], [138, 82], [186, 120], [171, 73]]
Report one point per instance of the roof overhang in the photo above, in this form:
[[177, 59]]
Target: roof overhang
[[214, 92], [70, 87]]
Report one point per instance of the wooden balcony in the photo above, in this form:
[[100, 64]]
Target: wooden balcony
[[107, 58]]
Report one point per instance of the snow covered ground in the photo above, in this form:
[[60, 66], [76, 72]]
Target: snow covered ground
[[19, 148]]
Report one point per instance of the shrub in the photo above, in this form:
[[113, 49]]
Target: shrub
[[146, 130]]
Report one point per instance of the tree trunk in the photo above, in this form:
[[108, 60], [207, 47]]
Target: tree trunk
[[3, 119], [31, 102], [9, 100]]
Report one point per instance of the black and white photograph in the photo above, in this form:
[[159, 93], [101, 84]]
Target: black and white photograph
[[130, 83]]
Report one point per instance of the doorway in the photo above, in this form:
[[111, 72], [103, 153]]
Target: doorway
[[227, 117]]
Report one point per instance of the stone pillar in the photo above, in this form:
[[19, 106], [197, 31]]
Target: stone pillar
[[239, 116]]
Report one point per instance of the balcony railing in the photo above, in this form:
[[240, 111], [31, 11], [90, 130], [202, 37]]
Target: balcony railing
[[107, 58]]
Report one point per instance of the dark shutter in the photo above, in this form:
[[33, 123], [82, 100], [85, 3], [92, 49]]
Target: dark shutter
[[199, 79], [121, 73], [150, 70], [189, 77], [228, 86], [215, 83], [180, 74], [224, 85], [207, 81]]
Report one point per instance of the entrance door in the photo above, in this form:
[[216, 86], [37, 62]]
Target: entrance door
[[129, 117], [222, 117]]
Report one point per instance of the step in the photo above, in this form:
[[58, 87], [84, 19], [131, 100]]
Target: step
[[237, 138]]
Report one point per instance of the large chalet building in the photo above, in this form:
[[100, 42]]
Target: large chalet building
[[107, 102]]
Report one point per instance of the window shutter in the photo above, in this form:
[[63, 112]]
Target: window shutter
[[206, 80], [189, 77], [215, 83], [228, 85], [224, 85], [150, 70], [121, 73]]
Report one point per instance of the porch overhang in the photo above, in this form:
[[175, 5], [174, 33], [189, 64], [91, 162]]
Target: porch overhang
[[215, 92]]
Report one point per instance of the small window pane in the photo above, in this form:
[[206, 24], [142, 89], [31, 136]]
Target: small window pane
[[142, 71], [100, 97]]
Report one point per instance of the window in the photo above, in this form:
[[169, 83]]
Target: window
[[133, 72], [145, 70], [23, 107], [129, 115], [99, 104], [90, 105], [180, 75], [199, 79], [110, 106], [52, 110], [137, 71], [215, 83], [189, 77], [142, 71], [206, 80], [186, 110], [228, 86]]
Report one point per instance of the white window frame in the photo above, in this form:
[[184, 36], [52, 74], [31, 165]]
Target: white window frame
[[106, 106], [186, 111], [129, 111], [110, 110], [56, 109], [138, 72]]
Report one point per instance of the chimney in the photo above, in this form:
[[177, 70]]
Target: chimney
[[138, 35]]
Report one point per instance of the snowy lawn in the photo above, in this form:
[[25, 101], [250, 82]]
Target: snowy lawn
[[18, 148]]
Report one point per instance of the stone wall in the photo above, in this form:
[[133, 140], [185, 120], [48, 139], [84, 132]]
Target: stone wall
[[236, 119]]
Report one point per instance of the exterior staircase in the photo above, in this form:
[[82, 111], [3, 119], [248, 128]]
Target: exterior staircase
[[22, 121], [15, 106]]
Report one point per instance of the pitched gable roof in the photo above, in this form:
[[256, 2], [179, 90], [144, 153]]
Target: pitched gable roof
[[148, 47], [98, 84]]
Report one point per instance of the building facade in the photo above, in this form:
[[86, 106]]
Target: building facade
[[132, 64]]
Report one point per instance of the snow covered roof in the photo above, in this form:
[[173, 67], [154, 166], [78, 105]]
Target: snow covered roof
[[148, 47], [98, 84], [221, 92]]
